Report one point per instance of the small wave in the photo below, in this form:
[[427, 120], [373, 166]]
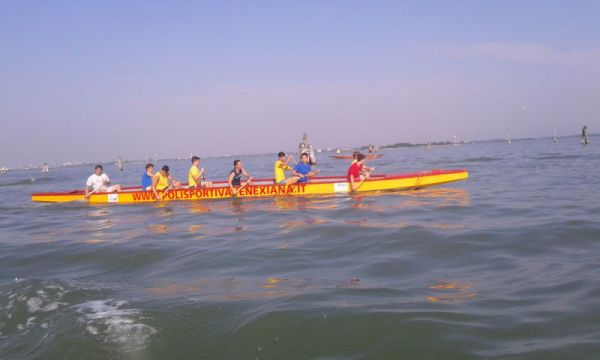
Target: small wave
[[556, 157], [483, 159], [28, 307], [113, 322], [30, 181]]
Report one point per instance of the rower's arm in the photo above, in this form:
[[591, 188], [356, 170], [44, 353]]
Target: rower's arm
[[154, 183], [229, 181], [352, 183], [311, 174], [246, 174]]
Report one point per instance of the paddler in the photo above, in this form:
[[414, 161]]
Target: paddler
[[147, 177], [364, 170], [354, 172], [162, 181], [304, 170], [235, 176], [99, 182], [280, 167], [196, 174]]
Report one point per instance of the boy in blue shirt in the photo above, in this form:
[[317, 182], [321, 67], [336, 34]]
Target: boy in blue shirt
[[147, 177], [304, 170]]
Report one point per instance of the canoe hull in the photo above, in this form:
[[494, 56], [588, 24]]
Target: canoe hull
[[349, 157], [319, 186]]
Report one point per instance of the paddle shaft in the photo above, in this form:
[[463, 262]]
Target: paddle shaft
[[362, 181]]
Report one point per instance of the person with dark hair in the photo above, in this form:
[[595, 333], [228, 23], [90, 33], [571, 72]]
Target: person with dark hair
[[235, 176], [280, 167], [162, 180], [147, 177], [364, 170], [304, 170], [99, 182], [357, 172], [196, 174]]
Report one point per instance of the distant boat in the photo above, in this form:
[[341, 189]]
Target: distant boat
[[3, 170], [555, 137], [348, 157], [508, 136]]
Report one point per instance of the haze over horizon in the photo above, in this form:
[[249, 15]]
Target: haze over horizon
[[90, 81]]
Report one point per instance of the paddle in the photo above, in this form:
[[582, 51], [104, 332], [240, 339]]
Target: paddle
[[166, 191], [362, 181], [241, 187], [87, 197]]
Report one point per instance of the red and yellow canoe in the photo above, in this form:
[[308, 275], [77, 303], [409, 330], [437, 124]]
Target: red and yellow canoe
[[265, 187], [349, 157]]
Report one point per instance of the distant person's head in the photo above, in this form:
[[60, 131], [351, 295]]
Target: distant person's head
[[237, 164], [149, 167], [304, 158], [354, 154], [195, 160], [165, 170], [360, 158], [98, 169], [281, 155]]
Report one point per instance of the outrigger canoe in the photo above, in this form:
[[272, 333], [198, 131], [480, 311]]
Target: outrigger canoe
[[349, 157], [266, 187]]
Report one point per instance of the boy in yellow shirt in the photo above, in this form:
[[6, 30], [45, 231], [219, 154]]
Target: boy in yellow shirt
[[280, 167], [196, 175]]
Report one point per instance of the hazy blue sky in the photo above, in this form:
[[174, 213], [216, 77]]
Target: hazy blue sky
[[90, 80]]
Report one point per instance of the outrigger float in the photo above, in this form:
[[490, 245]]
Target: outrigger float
[[265, 187]]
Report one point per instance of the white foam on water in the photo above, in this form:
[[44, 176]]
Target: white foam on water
[[111, 321], [36, 304]]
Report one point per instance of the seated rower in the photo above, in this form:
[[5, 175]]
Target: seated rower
[[280, 167], [304, 170], [354, 172], [235, 176], [99, 182], [196, 177], [364, 170], [147, 177], [162, 181]]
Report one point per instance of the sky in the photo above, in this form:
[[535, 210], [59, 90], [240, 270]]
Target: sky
[[91, 80]]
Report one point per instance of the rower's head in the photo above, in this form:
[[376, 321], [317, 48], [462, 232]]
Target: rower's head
[[354, 154], [281, 155], [237, 164], [360, 158], [98, 169], [149, 167], [195, 160], [165, 170], [304, 158]]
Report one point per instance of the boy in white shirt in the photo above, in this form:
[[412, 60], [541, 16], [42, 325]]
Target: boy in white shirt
[[99, 182]]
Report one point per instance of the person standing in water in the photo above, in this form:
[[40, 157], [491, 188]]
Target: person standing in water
[[584, 136], [235, 176], [120, 163]]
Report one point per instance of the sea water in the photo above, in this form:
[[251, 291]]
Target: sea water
[[503, 265]]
